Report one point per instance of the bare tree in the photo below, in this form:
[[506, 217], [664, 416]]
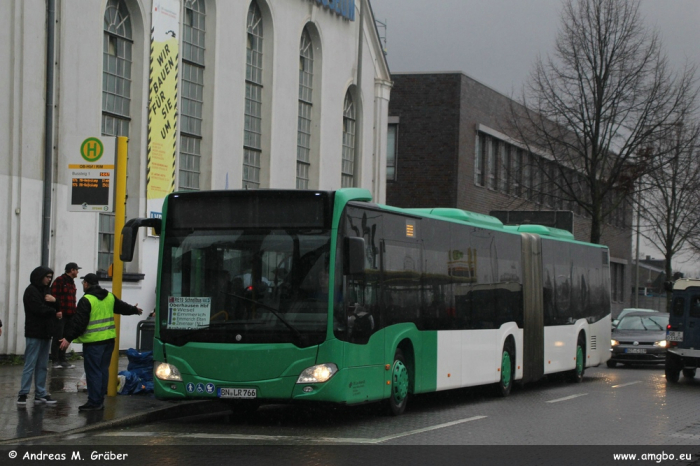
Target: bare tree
[[591, 108], [670, 193]]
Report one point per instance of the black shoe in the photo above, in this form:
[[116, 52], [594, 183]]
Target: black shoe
[[46, 399], [22, 400], [90, 407]]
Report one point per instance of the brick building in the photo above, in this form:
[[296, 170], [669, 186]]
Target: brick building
[[439, 122]]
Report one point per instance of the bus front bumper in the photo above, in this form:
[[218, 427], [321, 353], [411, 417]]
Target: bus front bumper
[[282, 389]]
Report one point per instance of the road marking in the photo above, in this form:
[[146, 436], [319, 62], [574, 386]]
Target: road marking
[[685, 436], [567, 398], [278, 438], [626, 384], [427, 429]]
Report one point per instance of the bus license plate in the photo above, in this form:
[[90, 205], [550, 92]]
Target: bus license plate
[[246, 393], [674, 336], [636, 350]]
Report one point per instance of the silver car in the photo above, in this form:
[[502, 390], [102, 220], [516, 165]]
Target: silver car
[[639, 338]]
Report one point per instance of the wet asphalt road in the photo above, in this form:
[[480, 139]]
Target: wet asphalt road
[[621, 406]]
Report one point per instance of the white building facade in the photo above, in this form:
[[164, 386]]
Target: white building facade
[[289, 94]]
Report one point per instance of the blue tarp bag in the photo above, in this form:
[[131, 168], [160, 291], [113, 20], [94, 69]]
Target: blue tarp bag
[[140, 363], [138, 378]]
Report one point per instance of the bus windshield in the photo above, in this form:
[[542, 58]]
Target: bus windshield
[[253, 285]]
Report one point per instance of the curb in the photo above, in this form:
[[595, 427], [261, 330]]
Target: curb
[[183, 409]]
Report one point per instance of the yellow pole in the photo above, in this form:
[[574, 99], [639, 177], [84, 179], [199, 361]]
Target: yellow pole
[[118, 265]]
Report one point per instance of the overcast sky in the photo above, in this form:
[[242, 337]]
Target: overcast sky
[[497, 41]]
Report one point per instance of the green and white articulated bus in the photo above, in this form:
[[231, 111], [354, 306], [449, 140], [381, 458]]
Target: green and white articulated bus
[[279, 295]]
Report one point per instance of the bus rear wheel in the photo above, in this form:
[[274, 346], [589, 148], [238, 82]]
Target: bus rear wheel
[[576, 375], [396, 404], [507, 359], [689, 373]]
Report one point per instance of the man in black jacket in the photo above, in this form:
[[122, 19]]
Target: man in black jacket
[[40, 314], [93, 326]]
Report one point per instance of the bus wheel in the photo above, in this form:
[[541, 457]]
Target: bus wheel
[[399, 385], [673, 369], [506, 382], [689, 373], [576, 375], [611, 364]]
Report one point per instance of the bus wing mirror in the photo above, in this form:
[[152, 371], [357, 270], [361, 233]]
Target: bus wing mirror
[[354, 256], [130, 232], [668, 286]]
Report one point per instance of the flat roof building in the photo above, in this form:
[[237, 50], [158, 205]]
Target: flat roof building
[[450, 146]]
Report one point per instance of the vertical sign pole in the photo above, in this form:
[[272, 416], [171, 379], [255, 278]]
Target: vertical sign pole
[[117, 264]]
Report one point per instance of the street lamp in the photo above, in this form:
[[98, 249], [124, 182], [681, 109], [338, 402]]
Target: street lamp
[[636, 273]]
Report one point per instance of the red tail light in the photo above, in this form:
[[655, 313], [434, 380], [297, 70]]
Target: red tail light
[[668, 327]]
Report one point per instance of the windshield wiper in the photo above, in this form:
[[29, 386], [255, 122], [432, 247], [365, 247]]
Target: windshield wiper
[[657, 324], [271, 309]]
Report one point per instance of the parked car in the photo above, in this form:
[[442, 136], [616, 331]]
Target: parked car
[[626, 311], [639, 338]]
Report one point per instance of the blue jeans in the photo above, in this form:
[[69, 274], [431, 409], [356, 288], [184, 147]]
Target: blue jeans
[[36, 360], [97, 358]]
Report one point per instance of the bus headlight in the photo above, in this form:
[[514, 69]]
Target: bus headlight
[[614, 342], [661, 344], [318, 374], [165, 371]]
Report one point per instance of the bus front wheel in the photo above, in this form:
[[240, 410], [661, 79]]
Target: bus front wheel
[[396, 404]]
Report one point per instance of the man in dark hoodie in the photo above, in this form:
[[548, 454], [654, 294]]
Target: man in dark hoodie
[[93, 326], [40, 314]]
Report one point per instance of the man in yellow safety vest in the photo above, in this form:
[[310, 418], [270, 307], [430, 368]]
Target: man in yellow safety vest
[[93, 326]]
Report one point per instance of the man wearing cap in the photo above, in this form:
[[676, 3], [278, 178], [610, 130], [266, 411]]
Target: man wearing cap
[[63, 289], [39, 313], [93, 326]]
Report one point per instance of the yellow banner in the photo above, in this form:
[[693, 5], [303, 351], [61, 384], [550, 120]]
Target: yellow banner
[[162, 110]]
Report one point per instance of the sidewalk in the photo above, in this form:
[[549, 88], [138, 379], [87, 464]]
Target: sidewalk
[[21, 423]]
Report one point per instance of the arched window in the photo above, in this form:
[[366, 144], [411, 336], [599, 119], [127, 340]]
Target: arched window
[[348, 167], [306, 81], [116, 101], [252, 136], [192, 91]]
